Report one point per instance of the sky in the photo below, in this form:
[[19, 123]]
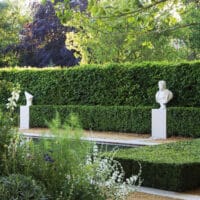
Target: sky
[[23, 6]]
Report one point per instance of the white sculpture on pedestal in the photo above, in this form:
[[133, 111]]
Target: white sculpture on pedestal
[[25, 111], [159, 116], [29, 98], [163, 96]]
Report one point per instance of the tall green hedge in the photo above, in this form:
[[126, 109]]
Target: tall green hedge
[[113, 84], [174, 166], [181, 121]]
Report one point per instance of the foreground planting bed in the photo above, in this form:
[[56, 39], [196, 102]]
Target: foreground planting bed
[[174, 166]]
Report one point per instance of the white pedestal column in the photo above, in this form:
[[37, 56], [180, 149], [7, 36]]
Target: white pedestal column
[[24, 117], [159, 124]]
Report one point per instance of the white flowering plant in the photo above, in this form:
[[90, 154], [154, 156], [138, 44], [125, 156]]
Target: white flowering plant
[[12, 101], [100, 177], [109, 174], [7, 121]]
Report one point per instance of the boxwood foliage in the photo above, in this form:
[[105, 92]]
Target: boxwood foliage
[[181, 121], [174, 166], [111, 84], [109, 118]]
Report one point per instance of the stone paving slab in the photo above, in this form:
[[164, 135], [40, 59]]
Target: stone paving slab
[[133, 142], [164, 193], [111, 135]]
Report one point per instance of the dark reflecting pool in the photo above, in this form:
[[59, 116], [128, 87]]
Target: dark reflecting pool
[[102, 146]]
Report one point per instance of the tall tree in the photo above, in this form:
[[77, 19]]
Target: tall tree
[[11, 21], [42, 42], [128, 30], [192, 38]]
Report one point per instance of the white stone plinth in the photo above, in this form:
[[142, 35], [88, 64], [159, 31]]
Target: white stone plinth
[[24, 117], [159, 124]]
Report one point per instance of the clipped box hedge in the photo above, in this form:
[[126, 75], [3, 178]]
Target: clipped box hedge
[[102, 118], [111, 84], [174, 166], [181, 121]]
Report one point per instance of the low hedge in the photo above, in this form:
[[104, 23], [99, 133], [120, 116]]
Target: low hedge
[[102, 118], [181, 121], [174, 166], [111, 84]]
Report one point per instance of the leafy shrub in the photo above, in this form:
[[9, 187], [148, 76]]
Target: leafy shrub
[[48, 161], [5, 90], [182, 121], [20, 187], [113, 84], [80, 190], [7, 122], [174, 166], [5, 133]]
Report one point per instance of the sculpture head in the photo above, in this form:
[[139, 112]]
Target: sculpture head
[[162, 85], [29, 98], [163, 96]]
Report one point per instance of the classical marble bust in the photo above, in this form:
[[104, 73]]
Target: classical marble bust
[[163, 96], [29, 98]]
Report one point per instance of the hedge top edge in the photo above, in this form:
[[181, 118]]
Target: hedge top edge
[[107, 65]]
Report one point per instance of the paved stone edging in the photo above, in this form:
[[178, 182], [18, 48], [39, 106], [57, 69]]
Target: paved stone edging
[[134, 142], [137, 142], [164, 193]]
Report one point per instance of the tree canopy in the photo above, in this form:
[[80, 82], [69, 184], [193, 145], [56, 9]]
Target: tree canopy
[[42, 42], [134, 30], [100, 31], [11, 22]]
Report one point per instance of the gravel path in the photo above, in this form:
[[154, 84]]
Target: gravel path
[[144, 196]]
